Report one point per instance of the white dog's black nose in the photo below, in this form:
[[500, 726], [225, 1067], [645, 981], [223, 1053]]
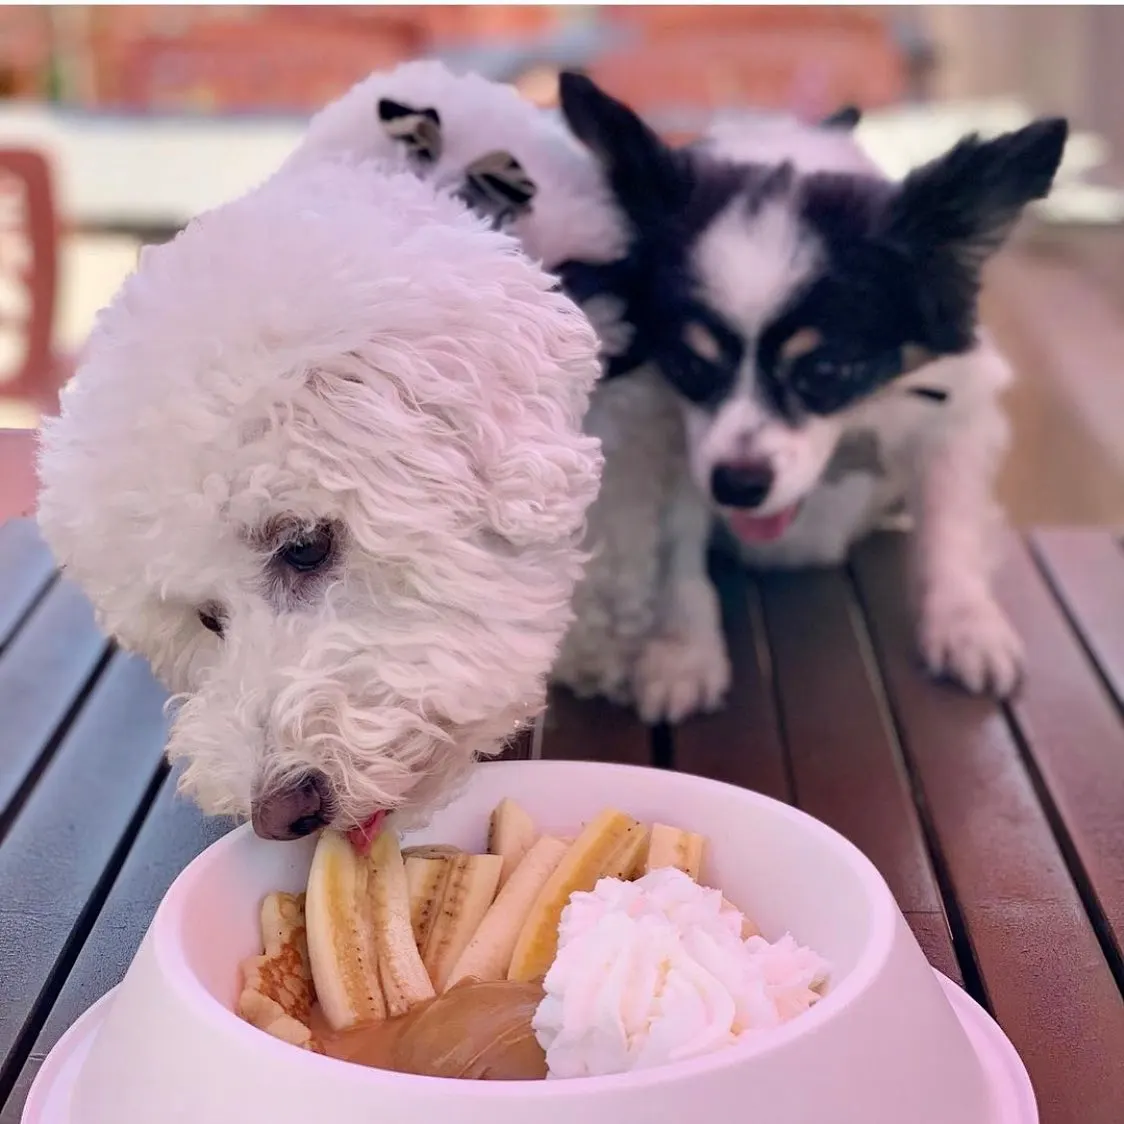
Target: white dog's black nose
[[741, 483], [295, 811]]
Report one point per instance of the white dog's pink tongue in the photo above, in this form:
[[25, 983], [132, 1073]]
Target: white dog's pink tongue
[[762, 528], [363, 836]]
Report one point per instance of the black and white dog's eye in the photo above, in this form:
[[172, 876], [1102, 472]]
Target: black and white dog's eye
[[824, 383], [211, 618], [310, 552]]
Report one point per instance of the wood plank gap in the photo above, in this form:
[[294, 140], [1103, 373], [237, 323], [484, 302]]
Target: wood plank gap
[[962, 946], [27, 571], [13, 631], [663, 747], [87, 918], [537, 736], [10, 813], [1103, 662], [764, 647], [1086, 891], [1067, 720]]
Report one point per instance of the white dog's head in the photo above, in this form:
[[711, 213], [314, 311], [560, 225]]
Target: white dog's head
[[323, 465], [778, 280]]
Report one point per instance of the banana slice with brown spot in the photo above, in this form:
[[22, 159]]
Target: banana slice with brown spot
[[468, 894], [511, 832], [670, 846]]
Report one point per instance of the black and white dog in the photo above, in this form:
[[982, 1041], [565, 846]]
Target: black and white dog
[[818, 324]]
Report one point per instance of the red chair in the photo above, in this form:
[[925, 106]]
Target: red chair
[[30, 370], [18, 483]]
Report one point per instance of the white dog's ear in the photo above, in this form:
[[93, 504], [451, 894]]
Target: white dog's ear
[[646, 175], [960, 207]]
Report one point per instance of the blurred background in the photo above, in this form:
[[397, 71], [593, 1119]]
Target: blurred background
[[118, 124]]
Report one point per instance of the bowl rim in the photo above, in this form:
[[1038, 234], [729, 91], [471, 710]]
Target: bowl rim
[[223, 1022]]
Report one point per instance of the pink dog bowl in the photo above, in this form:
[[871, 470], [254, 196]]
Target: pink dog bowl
[[891, 1041]]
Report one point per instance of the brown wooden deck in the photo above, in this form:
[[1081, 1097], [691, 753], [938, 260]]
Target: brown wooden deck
[[1000, 829]]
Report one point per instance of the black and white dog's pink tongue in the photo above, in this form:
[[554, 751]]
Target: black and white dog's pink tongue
[[762, 528], [363, 836]]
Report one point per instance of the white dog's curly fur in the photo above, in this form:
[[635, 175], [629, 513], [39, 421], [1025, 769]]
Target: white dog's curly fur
[[337, 421]]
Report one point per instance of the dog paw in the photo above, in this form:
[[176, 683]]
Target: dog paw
[[967, 637], [678, 676]]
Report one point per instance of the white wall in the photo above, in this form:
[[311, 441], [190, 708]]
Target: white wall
[[1062, 59]]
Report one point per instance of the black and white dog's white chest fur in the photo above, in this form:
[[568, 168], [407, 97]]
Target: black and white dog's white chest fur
[[818, 325]]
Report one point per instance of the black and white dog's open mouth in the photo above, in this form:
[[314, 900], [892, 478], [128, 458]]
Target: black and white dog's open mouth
[[750, 528]]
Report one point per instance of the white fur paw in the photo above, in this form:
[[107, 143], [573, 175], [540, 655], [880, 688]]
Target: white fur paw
[[967, 637], [679, 676]]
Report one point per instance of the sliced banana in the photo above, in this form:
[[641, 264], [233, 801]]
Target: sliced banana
[[488, 954], [405, 982], [669, 846], [627, 861], [426, 878], [341, 934], [580, 868], [510, 835], [430, 851], [469, 891]]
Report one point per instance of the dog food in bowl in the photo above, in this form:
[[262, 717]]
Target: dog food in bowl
[[546, 957]]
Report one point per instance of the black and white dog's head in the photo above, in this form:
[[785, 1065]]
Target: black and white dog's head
[[778, 280]]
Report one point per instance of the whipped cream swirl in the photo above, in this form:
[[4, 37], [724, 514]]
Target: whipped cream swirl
[[654, 971]]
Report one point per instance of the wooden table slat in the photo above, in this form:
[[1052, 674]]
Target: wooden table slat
[[173, 833], [1086, 568], [593, 730], [741, 743], [1041, 965], [843, 751], [1072, 732], [932, 933], [61, 848], [26, 569], [43, 674]]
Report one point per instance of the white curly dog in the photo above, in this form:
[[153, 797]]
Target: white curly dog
[[323, 465]]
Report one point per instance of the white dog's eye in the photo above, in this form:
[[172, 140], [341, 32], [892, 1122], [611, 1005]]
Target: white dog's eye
[[211, 618], [310, 552]]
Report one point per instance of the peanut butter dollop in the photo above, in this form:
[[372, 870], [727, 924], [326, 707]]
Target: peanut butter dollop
[[476, 1031]]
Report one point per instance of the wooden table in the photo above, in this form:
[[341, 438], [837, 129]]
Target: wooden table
[[1000, 829]]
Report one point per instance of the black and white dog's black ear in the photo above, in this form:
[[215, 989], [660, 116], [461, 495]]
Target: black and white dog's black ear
[[642, 171], [497, 187], [962, 206], [418, 129], [845, 118]]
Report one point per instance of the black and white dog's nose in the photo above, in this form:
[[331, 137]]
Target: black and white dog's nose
[[295, 811], [741, 483]]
